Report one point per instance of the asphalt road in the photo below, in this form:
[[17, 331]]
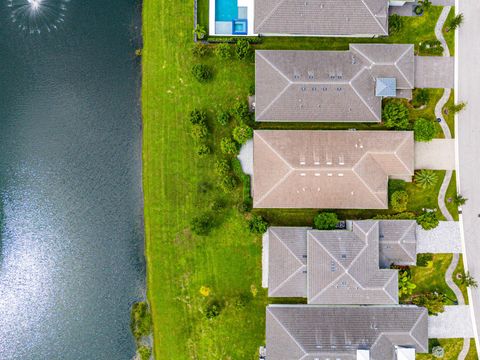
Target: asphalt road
[[468, 135]]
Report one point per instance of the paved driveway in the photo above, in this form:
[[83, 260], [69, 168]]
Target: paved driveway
[[455, 322], [445, 238], [438, 154], [468, 134], [434, 72]]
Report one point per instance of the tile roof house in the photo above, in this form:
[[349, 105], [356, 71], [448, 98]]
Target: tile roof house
[[365, 18], [295, 332], [328, 169], [340, 266], [331, 86]]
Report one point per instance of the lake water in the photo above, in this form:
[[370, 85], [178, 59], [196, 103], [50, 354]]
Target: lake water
[[71, 249]]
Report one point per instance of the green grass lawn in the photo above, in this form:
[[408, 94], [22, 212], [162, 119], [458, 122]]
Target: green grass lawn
[[460, 270], [450, 117], [452, 349], [449, 195], [450, 35]]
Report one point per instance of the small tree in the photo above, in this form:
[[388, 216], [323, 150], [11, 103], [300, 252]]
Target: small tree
[[455, 108], [438, 352], [198, 117], [203, 149], [433, 302], [222, 167], [228, 183], [428, 220], [201, 72], [223, 117], [257, 225], [420, 97], [325, 221], [395, 24], [200, 32], [199, 131], [469, 281], [200, 50], [202, 224], [229, 146], [425, 4], [242, 133], [242, 49], [399, 201], [425, 178], [424, 129], [241, 111], [405, 284], [223, 51], [424, 259], [455, 22], [395, 116], [459, 200]]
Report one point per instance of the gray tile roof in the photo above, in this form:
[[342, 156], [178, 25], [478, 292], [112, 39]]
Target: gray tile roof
[[324, 332], [340, 266], [334, 86], [328, 169], [321, 17]]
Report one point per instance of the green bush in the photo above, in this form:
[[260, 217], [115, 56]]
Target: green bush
[[433, 302], [223, 118], [241, 111], [242, 133], [140, 320], [431, 47], [424, 259], [218, 204], [228, 183], [399, 201], [251, 89], [198, 117], [428, 220], [424, 129], [229, 146], [223, 51], [144, 352], [203, 149], [212, 309], [257, 225], [200, 32], [395, 24], [399, 216], [201, 72], [199, 131], [420, 97], [325, 221], [238, 171], [202, 224], [200, 50], [405, 284], [395, 116], [242, 49], [222, 167], [425, 178]]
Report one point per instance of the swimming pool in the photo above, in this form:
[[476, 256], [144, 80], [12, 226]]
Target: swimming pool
[[226, 10], [230, 17]]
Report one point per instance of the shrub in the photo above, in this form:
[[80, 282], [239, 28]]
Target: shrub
[[242, 133], [201, 72], [399, 201], [257, 225], [251, 89], [399, 216], [223, 118], [325, 221], [405, 284], [424, 259], [199, 131], [242, 49], [431, 47], [200, 32], [425, 178], [212, 309], [433, 302], [228, 183], [424, 129], [144, 352], [222, 167], [229, 146], [428, 220], [202, 224], [241, 111], [223, 51], [395, 24], [455, 108], [469, 281], [200, 50], [218, 204], [140, 320], [420, 97], [198, 117], [395, 116], [459, 200], [455, 22], [203, 149]]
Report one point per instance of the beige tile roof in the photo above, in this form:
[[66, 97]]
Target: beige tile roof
[[328, 169], [333, 86], [321, 17], [309, 332]]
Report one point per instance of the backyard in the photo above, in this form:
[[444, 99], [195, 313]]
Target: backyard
[[200, 287]]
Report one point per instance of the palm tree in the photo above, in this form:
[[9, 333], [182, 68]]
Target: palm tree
[[426, 178], [459, 200], [455, 108], [455, 22], [425, 4], [469, 281]]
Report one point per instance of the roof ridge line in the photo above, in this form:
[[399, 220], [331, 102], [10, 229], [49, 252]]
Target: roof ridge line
[[385, 32], [285, 245], [287, 279], [267, 17], [288, 332], [399, 159], [401, 72], [413, 327], [363, 181], [360, 97]]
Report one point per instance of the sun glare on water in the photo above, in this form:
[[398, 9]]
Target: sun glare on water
[[37, 16]]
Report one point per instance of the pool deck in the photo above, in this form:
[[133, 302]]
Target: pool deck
[[249, 4]]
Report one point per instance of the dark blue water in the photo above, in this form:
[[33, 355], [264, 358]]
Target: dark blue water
[[71, 250]]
